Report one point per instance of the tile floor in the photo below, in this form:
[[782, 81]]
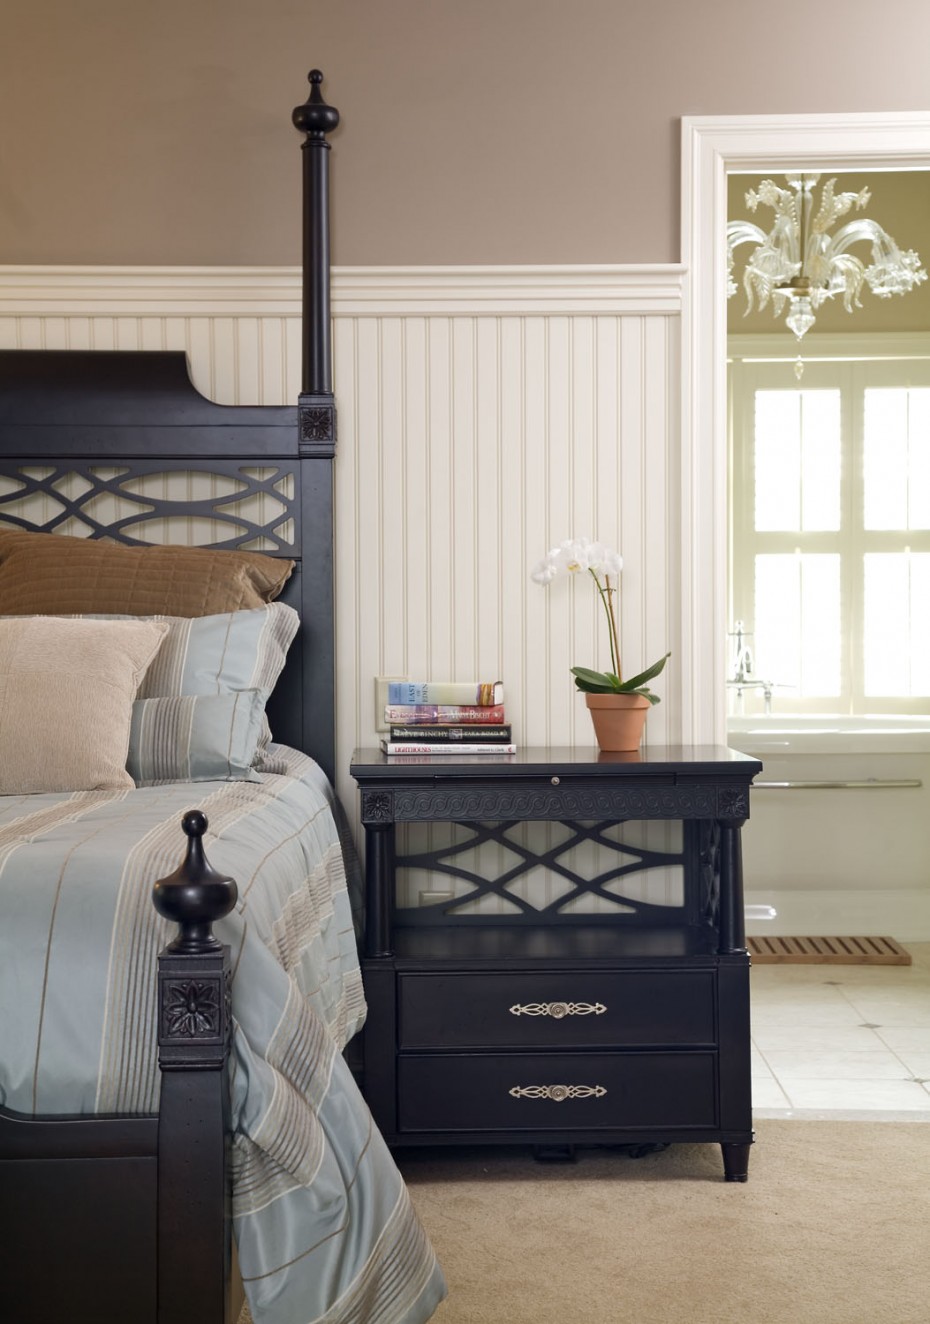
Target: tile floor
[[842, 1040]]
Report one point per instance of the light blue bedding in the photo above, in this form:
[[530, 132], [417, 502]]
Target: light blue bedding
[[324, 1226]]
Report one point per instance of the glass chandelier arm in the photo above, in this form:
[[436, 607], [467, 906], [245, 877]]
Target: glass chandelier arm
[[864, 231], [740, 232], [834, 205]]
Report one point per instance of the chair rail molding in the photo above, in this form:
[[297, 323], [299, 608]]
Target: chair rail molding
[[713, 146], [141, 291]]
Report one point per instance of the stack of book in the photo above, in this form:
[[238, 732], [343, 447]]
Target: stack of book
[[430, 717]]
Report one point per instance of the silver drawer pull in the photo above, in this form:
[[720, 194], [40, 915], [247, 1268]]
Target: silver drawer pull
[[558, 1093], [557, 1009]]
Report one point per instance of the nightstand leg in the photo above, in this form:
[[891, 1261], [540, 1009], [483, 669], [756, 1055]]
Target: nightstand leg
[[735, 1162], [379, 887]]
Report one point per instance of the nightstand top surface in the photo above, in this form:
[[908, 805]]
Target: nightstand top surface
[[543, 760]]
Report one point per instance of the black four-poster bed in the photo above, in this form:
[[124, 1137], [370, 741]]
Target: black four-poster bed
[[119, 1218]]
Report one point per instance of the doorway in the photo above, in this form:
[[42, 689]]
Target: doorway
[[712, 148]]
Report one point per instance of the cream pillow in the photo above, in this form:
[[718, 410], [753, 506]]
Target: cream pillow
[[66, 694]]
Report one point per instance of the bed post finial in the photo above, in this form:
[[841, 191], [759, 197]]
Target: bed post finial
[[316, 407], [195, 895]]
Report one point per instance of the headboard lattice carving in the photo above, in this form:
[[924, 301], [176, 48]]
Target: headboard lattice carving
[[212, 503]]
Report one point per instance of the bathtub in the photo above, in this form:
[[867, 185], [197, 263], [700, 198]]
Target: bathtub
[[806, 734], [838, 841]]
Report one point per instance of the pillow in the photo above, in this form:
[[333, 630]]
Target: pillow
[[210, 657], [66, 694], [196, 737], [52, 574], [222, 653]]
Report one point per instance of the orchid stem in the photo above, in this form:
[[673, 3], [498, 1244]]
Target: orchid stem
[[606, 593]]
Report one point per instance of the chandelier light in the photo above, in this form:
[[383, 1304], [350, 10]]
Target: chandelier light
[[799, 264]]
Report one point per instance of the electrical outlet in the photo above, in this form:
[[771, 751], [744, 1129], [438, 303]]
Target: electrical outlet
[[381, 693], [435, 898]]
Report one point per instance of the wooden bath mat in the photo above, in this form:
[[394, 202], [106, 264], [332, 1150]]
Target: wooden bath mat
[[827, 951]]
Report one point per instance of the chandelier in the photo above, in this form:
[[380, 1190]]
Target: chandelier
[[799, 264]]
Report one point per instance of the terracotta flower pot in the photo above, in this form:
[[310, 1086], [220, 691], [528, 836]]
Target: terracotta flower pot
[[618, 719]]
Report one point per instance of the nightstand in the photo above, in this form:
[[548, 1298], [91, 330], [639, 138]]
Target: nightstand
[[597, 1018]]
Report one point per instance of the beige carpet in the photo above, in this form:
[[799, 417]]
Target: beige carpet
[[833, 1227]]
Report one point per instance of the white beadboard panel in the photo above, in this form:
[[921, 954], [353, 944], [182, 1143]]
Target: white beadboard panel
[[484, 416]]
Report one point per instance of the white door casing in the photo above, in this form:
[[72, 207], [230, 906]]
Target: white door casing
[[713, 146]]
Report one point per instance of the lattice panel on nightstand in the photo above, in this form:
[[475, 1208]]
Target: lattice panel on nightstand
[[556, 871]]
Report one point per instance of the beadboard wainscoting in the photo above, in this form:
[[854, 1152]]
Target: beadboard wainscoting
[[483, 416]]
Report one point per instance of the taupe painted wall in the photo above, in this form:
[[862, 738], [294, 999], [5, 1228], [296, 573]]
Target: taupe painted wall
[[474, 131]]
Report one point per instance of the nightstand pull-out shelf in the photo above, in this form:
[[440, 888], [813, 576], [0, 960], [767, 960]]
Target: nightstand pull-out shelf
[[562, 1023]]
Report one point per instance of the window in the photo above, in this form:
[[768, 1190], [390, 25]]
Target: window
[[830, 533]]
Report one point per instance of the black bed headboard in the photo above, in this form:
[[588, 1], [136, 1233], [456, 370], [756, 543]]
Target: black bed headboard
[[91, 443], [89, 438]]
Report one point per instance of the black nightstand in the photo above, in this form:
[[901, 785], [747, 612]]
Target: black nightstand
[[543, 1024]]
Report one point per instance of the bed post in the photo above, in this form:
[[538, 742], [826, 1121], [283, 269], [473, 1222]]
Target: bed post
[[316, 422], [194, 1029]]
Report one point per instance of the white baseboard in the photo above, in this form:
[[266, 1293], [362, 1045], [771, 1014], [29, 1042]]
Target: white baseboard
[[902, 914]]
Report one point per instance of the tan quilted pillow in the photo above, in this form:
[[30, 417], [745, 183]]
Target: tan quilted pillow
[[66, 694], [52, 574]]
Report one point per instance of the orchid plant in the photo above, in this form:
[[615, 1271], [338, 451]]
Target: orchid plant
[[580, 555]]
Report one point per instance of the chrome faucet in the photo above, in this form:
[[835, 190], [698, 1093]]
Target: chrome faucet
[[742, 662], [743, 677]]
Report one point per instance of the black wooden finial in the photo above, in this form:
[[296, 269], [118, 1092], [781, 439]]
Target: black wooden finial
[[195, 895], [315, 118]]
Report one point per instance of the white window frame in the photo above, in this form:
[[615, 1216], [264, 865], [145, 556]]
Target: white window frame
[[853, 363]]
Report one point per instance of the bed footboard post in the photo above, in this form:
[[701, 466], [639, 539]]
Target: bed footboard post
[[194, 1026]]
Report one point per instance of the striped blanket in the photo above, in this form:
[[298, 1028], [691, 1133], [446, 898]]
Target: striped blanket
[[323, 1222]]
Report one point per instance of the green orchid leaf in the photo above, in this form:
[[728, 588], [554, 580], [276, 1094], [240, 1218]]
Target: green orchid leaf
[[635, 682], [595, 682], [648, 694]]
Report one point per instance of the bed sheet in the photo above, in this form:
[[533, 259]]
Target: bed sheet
[[324, 1226]]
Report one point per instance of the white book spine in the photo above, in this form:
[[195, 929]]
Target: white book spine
[[451, 750]]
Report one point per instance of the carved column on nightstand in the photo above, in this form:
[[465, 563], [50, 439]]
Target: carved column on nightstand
[[378, 822]]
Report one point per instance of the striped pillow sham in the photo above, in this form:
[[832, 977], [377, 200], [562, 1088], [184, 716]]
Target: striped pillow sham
[[195, 737]]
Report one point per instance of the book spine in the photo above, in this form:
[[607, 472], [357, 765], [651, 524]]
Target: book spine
[[453, 735], [453, 751], [411, 714], [483, 693]]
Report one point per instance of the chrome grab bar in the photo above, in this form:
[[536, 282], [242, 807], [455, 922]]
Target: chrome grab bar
[[863, 784]]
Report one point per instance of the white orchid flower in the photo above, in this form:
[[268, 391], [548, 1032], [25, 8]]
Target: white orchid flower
[[545, 570], [577, 554], [603, 564], [612, 563]]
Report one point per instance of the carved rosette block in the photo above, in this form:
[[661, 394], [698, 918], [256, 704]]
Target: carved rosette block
[[316, 424], [192, 1008], [378, 806], [732, 802], [194, 1012]]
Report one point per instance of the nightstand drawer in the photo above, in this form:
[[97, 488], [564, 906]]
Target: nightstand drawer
[[561, 1009], [544, 1092]]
